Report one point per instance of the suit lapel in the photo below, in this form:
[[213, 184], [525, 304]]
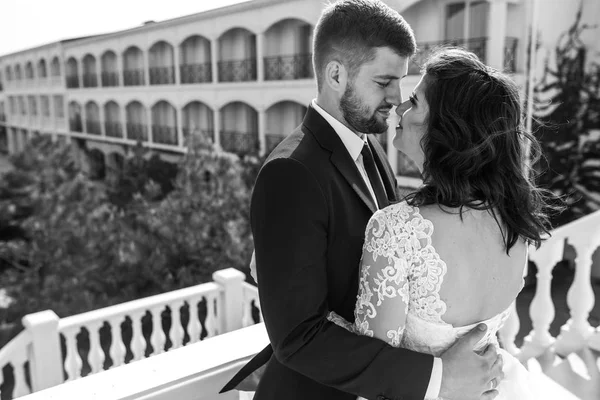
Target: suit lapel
[[347, 167], [328, 139], [382, 163]]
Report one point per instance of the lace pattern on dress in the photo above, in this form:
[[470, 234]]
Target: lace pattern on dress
[[415, 270]]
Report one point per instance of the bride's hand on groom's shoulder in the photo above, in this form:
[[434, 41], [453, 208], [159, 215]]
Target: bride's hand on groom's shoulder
[[467, 375]]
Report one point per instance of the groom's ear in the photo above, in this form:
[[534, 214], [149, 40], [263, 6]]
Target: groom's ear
[[336, 76]]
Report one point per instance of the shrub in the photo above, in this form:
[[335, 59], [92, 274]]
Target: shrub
[[86, 252]]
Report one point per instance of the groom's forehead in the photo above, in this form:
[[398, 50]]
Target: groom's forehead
[[387, 63]]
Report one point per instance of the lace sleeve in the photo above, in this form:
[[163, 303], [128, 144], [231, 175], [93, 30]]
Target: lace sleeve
[[383, 292]]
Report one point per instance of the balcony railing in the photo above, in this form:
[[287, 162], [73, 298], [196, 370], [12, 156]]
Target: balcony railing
[[297, 66], [138, 132], [110, 79], [196, 73], [237, 71], [204, 135], [60, 121], [163, 134], [72, 81], [93, 127], [510, 54], [193, 315], [239, 142], [75, 125], [113, 129], [90, 80], [162, 75], [424, 50], [272, 140], [133, 77]]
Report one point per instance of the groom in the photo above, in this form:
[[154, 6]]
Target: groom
[[310, 206]]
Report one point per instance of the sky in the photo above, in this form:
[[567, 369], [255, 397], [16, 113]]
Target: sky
[[30, 23]]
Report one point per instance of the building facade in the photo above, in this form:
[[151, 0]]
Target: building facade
[[239, 75]]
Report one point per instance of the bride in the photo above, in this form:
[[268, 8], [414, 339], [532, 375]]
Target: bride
[[451, 255]]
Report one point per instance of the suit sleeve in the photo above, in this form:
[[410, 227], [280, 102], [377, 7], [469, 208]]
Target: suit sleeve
[[289, 218]]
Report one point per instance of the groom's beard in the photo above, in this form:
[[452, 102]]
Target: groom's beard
[[357, 114]]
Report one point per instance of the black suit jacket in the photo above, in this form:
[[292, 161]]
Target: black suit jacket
[[309, 210]]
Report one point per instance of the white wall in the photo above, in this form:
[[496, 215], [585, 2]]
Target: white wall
[[426, 19]]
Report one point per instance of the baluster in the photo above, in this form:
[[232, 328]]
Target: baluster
[[509, 331], [257, 305], [580, 297], [158, 338], [138, 343], [247, 311], [541, 309], [246, 299], [73, 361], [96, 356], [117, 347], [194, 327], [211, 318], [594, 340], [176, 333], [20, 388]]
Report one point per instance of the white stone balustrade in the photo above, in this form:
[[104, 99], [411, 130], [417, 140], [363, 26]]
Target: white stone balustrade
[[584, 236], [16, 354], [196, 372], [224, 301], [541, 309]]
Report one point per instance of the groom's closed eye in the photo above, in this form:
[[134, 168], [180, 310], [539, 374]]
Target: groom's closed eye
[[385, 80]]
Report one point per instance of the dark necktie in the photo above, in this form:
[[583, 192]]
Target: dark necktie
[[374, 177]]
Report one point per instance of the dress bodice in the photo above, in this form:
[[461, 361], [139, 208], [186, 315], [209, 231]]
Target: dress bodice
[[400, 280]]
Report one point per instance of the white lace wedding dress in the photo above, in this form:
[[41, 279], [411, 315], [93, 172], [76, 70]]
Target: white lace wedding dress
[[400, 281]]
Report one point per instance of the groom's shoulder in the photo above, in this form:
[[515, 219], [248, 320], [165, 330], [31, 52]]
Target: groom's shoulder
[[300, 146]]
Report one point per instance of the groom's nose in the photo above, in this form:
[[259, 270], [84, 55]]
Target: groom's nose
[[394, 95]]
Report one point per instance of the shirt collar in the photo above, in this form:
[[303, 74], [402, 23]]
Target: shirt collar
[[353, 143]]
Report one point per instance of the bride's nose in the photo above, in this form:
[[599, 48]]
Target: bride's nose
[[402, 108]]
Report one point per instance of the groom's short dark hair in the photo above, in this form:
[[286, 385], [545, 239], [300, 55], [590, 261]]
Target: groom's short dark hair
[[349, 31]]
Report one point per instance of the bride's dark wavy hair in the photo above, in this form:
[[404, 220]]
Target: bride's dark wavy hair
[[476, 148]]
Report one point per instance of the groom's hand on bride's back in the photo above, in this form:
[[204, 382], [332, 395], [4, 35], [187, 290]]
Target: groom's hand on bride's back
[[467, 375]]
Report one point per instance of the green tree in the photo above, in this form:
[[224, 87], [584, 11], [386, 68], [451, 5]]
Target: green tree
[[567, 112], [84, 252]]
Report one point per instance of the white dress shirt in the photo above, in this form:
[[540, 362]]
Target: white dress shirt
[[354, 144]]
